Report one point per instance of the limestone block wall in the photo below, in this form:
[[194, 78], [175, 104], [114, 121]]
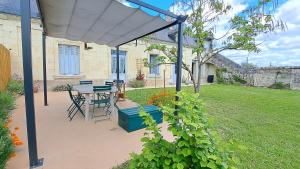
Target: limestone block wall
[[267, 76]]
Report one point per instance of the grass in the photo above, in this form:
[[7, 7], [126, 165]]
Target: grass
[[265, 121]]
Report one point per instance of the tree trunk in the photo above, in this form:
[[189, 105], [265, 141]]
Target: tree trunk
[[199, 79], [186, 67], [199, 73], [194, 82]]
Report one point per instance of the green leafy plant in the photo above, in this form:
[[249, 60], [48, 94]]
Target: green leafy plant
[[7, 103], [194, 145], [16, 87], [219, 75], [136, 83], [280, 85], [124, 165], [238, 79], [6, 143]]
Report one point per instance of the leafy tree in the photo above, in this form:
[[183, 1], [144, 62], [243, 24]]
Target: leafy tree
[[202, 25]]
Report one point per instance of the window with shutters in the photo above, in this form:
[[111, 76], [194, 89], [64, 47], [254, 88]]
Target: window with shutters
[[69, 60]]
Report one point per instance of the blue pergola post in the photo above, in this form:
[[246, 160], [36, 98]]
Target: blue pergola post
[[181, 20], [118, 66], [45, 70], [28, 83]]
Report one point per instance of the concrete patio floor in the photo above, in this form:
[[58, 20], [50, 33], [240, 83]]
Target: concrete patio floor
[[77, 144]]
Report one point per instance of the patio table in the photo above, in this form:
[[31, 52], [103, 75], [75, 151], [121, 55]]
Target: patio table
[[87, 92]]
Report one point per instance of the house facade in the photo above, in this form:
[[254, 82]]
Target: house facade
[[71, 61]]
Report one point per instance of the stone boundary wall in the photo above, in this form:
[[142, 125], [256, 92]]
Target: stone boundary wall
[[267, 76]]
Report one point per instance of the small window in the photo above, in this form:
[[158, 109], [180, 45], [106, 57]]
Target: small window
[[154, 65], [69, 60]]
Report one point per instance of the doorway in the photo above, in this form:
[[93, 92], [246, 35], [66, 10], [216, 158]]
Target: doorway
[[122, 65]]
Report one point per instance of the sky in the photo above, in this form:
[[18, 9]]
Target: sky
[[278, 49]]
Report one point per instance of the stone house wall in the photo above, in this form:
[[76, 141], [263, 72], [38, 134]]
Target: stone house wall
[[95, 63]]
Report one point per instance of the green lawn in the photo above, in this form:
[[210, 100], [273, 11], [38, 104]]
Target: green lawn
[[266, 121]]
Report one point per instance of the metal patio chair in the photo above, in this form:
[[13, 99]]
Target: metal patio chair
[[102, 99], [77, 102]]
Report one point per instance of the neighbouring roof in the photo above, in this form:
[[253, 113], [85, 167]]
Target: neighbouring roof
[[222, 61]]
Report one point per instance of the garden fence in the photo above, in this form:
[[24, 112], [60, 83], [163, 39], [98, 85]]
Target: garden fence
[[5, 67]]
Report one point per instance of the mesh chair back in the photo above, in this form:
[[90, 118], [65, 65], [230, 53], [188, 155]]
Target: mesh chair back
[[83, 82], [101, 88], [109, 83], [69, 88], [72, 98]]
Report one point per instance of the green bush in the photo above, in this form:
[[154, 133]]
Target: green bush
[[194, 146], [239, 79], [219, 75], [7, 103], [137, 83], [280, 85], [6, 144], [16, 87], [125, 165]]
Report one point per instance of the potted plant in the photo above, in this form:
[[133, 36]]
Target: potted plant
[[36, 86]]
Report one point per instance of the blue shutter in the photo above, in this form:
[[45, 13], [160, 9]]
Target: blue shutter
[[69, 60]]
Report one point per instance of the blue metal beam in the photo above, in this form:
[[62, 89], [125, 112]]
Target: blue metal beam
[[28, 83], [45, 70], [118, 65]]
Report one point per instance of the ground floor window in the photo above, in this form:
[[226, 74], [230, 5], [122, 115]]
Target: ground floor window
[[69, 60]]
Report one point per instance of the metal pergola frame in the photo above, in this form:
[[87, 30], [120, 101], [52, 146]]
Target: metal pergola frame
[[34, 161]]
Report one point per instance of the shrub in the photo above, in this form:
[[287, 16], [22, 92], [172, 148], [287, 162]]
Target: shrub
[[136, 83], [219, 75], [279, 85], [7, 103], [194, 145], [239, 79], [125, 165], [6, 143], [140, 76], [16, 87], [60, 88], [162, 98]]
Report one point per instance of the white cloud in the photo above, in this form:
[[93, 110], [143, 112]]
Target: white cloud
[[280, 48]]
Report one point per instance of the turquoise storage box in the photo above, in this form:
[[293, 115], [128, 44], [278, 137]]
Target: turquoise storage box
[[130, 120]]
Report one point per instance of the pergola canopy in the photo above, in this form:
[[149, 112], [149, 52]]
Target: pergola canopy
[[99, 21]]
